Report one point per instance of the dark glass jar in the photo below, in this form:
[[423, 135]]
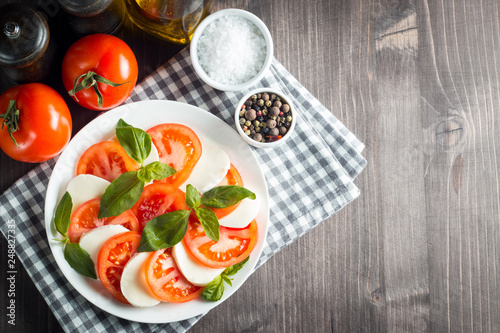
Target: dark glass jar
[[88, 17], [26, 51]]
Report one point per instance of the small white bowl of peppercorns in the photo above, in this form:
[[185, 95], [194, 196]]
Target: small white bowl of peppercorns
[[265, 118]]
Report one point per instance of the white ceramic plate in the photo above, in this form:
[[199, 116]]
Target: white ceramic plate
[[144, 115]]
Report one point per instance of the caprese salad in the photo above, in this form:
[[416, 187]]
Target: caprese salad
[[157, 216]]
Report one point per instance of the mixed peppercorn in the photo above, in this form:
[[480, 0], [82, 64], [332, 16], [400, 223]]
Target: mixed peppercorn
[[265, 117]]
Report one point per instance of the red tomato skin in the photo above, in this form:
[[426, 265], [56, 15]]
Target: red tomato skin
[[131, 237], [157, 286], [107, 160], [169, 138], [45, 123], [157, 199], [84, 219], [107, 56], [195, 239]]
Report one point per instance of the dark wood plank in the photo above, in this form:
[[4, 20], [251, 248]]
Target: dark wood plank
[[459, 48], [396, 135]]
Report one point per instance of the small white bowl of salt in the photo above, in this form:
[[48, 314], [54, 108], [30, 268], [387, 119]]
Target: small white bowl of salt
[[231, 50]]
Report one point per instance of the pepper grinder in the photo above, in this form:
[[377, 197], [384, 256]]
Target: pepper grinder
[[87, 17], [26, 52]]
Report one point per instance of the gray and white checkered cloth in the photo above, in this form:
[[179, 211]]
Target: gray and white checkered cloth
[[310, 177]]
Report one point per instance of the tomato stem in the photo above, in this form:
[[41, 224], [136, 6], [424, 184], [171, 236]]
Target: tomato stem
[[11, 120], [90, 79]]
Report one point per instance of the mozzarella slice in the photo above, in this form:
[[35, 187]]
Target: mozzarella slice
[[93, 240], [210, 169], [83, 188], [194, 272], [133, 282], [153, 155], [242, 215]]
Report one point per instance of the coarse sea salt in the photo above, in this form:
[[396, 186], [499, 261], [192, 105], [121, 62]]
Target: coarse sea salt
[[231, 50]]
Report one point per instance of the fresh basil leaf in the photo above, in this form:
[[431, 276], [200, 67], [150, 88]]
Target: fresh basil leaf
[[164, 231], [228, 280], [143, 175], [214, 290], [79, 260], [193, 198], [225, 196], [121, 194], [156, 171], [231, 270], [62, 218], [209, 222], [136, 142]]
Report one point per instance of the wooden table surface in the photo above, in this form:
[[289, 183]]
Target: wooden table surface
[[419, 251]]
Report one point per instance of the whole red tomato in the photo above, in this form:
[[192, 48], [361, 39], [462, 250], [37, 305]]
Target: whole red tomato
[[36, 123], [99, 65]]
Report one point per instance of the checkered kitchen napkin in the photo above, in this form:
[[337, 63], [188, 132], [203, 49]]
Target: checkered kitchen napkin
[[310, 177]]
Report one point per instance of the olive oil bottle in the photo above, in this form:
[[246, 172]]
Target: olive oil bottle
[[172, 20]]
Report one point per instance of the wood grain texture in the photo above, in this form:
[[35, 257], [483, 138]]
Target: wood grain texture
[[459, 45], [419, 82]]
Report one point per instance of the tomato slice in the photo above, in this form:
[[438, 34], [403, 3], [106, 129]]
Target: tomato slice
[[166, 280], [126, 219], [112, 258], [84, 219], [107, 160], [157, 199], [179, 147], [232, 177], [234, 245]]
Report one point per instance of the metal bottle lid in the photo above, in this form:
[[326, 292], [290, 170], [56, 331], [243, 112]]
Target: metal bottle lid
[[24, 35]]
